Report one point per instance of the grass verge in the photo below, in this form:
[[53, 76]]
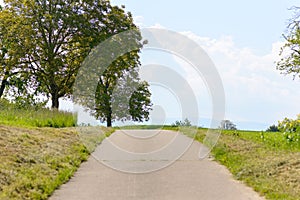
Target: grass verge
[[35, 161], [11, 114], [264, 161]]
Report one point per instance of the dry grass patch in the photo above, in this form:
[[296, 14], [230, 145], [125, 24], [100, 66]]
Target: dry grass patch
[[35, 161]]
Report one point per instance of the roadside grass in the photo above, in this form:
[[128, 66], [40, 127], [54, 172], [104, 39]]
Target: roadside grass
[[91, 137], [38, 153], [263, 160], [36, 161], [11, 115]]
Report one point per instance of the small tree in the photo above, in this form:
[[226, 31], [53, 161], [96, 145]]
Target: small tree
[[227, 125], [273, 128], [185, 122], [290, 129], [126, 99]]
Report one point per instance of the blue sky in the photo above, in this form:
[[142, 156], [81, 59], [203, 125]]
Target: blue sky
[[255, 24], [243, 39]]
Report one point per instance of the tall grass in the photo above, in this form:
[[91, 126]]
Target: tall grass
[[10, 114]]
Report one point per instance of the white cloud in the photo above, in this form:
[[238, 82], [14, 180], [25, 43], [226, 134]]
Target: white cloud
[[255, 90], [138, 20], [158, 26]]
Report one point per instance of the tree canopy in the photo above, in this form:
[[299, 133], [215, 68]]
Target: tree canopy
[[43, 44], [290, 52], [121, 98], [11, 65], [55, 37], [108, 85], [227, 125]]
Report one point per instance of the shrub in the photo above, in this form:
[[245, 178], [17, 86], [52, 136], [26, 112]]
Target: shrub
[[185, 122], [227, 125], [290, 129], [273, 128]]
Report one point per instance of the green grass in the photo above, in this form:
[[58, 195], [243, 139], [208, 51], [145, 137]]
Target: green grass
[[38, 155], [10, 114], [91, 137], [265, 161], [35, 161]]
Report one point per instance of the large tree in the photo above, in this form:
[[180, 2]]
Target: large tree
[[108, 84], [290, 52], [61, 34]]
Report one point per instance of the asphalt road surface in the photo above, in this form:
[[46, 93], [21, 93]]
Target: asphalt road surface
[[151, 164]]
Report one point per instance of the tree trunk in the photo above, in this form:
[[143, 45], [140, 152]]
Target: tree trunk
[[109, 117], [108, 123], [55, 101], [2, 88], [54, 95]]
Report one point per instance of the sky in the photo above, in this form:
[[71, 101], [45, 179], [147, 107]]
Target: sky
[[243, 39]]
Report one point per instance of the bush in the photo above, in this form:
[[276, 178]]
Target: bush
[[185, 122], [227, 125], [290, 129], [273, 128]]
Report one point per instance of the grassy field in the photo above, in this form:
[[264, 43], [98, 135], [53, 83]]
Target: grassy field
[[35, 161], [31, 117], [263, 160], [36, 154]]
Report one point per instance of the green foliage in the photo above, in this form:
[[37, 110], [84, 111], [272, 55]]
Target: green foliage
[[185, 122], [290, 63], [122, 102], [119, 94], [227, 125], [10, 52], [273, 128], [140, 103], [290, 129], [55, 37], [30, 116]]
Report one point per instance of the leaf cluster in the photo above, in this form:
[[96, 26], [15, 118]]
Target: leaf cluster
[[290, 52]]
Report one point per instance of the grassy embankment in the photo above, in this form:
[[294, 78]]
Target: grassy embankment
[[265, 161], [12, 115], [35, 158]]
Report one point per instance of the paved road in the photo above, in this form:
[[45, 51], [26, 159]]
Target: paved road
[[140, 165]]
